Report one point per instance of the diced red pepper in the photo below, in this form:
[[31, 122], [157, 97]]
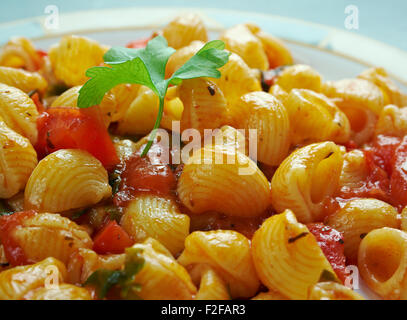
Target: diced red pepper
[[111, 239]]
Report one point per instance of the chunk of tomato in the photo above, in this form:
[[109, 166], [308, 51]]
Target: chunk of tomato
[[111, 239], [398, 180], [332, 245], [73, 128]]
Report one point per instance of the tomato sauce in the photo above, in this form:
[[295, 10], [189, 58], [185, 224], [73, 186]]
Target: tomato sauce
[[14, 253], [332, 245], [148, 174]]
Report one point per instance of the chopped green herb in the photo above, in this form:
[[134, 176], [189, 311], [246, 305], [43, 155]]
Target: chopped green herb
[[79, 214], [146, 67], [327, 276], [115, 180], [5, 210], [103, 280], [114, 213]]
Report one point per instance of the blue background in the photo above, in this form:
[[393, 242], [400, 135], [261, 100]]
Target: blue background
[[385, 21]]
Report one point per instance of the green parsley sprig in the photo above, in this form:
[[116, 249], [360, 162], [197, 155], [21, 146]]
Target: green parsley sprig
[[146, 67]]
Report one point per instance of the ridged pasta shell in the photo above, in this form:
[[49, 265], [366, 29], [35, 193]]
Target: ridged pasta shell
[[150, 216], [299, 76], [239, 39], [379, 77], [211, 285], [314, 117], [361, 101], [72, 56], [263, 112], [382, 262], [184, 29], [162, 277], [205, 106], [357, 218], [305, 179], [50, 235], [17, 161], [125, 95], [332, 291], [63, 292], [66, 179], [20, 52], [277, 53], [108, 106], [237, 79], [181, 56], [205, 185], [354, 170], [392, 121], [15, 283], [287, 256], [229, 254], [19, 112], [23, 80]]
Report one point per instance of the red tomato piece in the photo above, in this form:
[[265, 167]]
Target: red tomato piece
[[145, 174], [111, 239], [36, 99], [332, 245], [73, 128], [383, 151], [398, 181], [137, 44], [8, 223]]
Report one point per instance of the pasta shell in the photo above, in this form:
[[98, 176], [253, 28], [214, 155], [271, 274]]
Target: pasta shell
[[239, 39], [184, 29], [23, 80], [313, 117], [15, 283], [159, 218], [382, 262], [204, 184], [359, 217], [181, 56], [72, 56], [18, 112], [211, 285], [205, 106], [287, 256], [162, 277], [392, 121], [229, 254], [332, 291], [66, 179], [20, 52], [263, 112], [299, 76], [50, 235], [17, 161], [305, 179], [62, 292], [354, 170]]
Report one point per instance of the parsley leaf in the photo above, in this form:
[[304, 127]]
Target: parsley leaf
[[146, 66], [103, 280]]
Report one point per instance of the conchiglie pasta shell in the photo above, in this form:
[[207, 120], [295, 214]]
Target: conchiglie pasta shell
[[305, 179], [181, 56], [379, 77], [20, 52], [50, 235], [17, 161], [359, 217], [184, 29], [72, 56], [263, 112], [392, 121], [277, 53], [237, 79], [23, 80], [211, 285], [239, 39], [15, 283], [66, 179], [382, 262], [361, 101], [299, 76], [205, 106], [62, 292], [125, 95], [162, 277], [19, 112], [229, 254], [332, 291], [313, 117], [354, 170], [150, 216], [287, 256], [108, 106], [205, 185]]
